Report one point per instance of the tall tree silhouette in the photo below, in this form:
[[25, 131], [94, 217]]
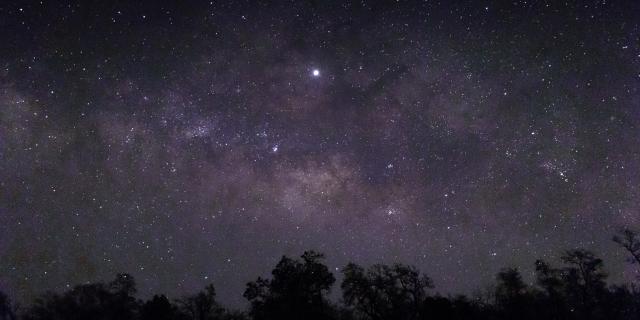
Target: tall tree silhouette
[[584, 280], [297, 290], [385, 292]]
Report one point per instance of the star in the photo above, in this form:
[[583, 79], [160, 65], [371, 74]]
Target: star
[[173, 155]]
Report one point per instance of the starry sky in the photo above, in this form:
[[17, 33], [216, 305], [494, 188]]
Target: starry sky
[[190, 142]]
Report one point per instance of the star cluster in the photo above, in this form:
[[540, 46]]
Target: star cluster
[[198, 141]]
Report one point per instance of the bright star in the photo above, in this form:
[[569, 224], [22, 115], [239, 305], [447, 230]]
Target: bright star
[[316, 72]]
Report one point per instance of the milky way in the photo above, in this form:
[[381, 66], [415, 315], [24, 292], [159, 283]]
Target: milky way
[[198, 142]]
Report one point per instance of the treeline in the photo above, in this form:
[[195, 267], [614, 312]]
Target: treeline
[[298, 289]]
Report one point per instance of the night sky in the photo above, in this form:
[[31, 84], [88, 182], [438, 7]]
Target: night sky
[[195, 141]]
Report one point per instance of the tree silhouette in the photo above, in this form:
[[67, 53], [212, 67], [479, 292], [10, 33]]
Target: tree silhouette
[[552, 298], [630, 241], [202, 306], [385, 292], [89, 301], [548, 278], [513, 297], [158, 308], [584, 281], [121, 300], [297, 290], [510, 285]]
